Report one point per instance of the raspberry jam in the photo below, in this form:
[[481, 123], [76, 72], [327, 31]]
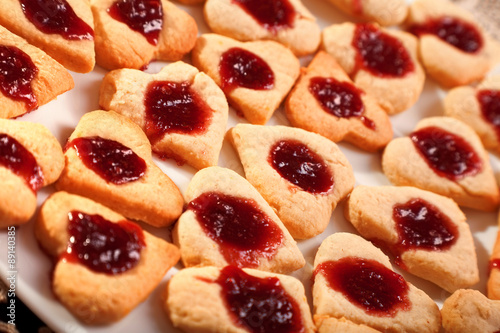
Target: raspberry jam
[[174, 107], [259, 305], [143, 16], [56, 17], [301, 166], [111, 160], [243, 232], [447, 154], [101, 245], [271, 14], [489, 102], [494, 264], [379, 53], [367, 284], [341, 99], [17, 72], [242, 68], [454, 31], [20, 161]]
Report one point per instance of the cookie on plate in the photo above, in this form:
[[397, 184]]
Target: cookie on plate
[[383, 12], [30, 158], [427, 233], [181, 110], [445, 156], [108, 159], [30, 78], [302, 175], [354, 280], [325, 101], [105, 264], [227, 222], [255, 76], [132, 34], [382, 62], [493, 285], [288, 22]]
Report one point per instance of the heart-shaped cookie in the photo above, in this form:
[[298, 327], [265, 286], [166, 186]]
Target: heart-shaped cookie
[[383, 12]]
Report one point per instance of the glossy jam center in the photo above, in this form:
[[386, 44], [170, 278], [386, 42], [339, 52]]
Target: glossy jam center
[[271, 14], [103, 246], [489, 102], [56, 17], [17, 71], [241, 68], [368, 284], [379, 53], [341, 99], [143, 16], [259, 305], [301, 166], [449, 155], [243, 231], [111, 160], [20, 161]]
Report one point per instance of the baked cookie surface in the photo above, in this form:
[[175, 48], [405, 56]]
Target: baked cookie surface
[[493, 284], [383, 12]]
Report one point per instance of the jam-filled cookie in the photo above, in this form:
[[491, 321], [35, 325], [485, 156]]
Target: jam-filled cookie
[[285, 21], [105, 264], [493, 285], [234, 300], [327, 102], [108, 159], [354, 279], [130, 34], [327, 324], [383, 12], [30, 78], [426, 232], [445, 156], [294, 170], [382, 62], [255, 76], [227, 222], [181, 110], [30, 158], [64, 29]]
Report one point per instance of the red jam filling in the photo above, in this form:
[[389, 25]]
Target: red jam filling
[[111, 160], [243, 232], [357, 7], [301, 166], [143, 16], [17, 71], [271, 14], [242, 68], [367, 284], [56, 17], [341, 99], [259, 305], [489, 102], [380, 54], [174, 107], [494, 264], [103, 246], [20, 161], [449, 155], [454, 31]]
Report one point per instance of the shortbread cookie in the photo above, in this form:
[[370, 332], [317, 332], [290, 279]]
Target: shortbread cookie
[[30, 158], [288, 22], [445, 156], [64, 29], [106, 265], [454, 49], [326, 101], [382, 62], [30, 78], [479, 107], [255, 76], [354, 280], [108, 159], [333, 325], [493, 285], [181, 110], [132, 34], [294, 170], [383, 12], [427, 233], [469, 311], [227, 222]]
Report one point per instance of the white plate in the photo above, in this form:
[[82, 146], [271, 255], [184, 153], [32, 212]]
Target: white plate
[[61, 117]]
